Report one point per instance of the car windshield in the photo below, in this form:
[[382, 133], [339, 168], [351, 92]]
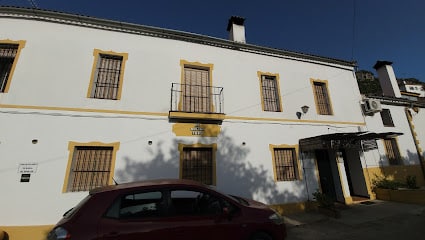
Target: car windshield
[[71, 211]]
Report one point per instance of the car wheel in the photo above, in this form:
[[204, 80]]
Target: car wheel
[[261, 236]]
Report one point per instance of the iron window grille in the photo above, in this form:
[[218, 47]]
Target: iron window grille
[[387, 120], [7, 57], [322, 98], [285, 164], [270, 91], [393, 153], [197, 165], [107, 78], [91, 168]]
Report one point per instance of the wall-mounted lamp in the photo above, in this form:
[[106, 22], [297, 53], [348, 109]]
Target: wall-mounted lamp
[[150, 142], [304, 110]]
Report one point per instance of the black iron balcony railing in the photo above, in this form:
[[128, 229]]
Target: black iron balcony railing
[[189, 98]]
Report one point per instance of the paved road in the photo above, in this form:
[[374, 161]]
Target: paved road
[[379, 220]]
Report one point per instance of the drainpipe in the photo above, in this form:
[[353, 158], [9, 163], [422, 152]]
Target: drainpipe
[[412, 131]]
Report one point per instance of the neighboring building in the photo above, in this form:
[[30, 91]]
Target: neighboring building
[[86, 102], [397, 156], [412, 87], [363, 75]]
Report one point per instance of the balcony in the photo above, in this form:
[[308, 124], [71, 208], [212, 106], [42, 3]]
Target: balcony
[[198, 103]]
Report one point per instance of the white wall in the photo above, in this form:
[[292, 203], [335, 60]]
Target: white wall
[[55, 66], [405, 141], [54, 71]]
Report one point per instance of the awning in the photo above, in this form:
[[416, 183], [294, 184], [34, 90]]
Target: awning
[[342, 140]]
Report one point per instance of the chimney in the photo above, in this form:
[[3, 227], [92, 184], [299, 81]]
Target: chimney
[[236, 29], [387, 79]]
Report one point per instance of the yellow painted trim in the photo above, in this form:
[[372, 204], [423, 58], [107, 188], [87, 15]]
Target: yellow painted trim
[[398, 149], [71, 149], [276, 75], [21, 44], [293, 120], [206, 66], [410, 94], [395, 172], [199, 145], [325, 82], [82, 110], [273, 146], [167, 114], [189, 130], [204, 116], [36, 232], [416, 140], [96, 54]]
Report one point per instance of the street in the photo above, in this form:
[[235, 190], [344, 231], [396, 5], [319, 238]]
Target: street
[[376, 220]]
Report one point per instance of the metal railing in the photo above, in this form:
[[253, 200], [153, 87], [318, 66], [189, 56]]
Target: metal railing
[[196, 98]]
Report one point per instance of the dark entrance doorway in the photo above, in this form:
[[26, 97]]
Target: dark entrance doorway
[[325, 173]]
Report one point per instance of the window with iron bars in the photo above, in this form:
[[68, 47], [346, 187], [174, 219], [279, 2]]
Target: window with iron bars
[[270, 94], [7, 57], [387, 120], [107, 77], [322, 98], [90, 168], [285, 164], [392, 150], [197, 164]]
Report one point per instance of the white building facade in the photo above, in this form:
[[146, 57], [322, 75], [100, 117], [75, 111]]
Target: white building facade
[[87, 102]]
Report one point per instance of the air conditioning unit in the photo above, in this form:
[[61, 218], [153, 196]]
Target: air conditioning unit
[[372, 105]]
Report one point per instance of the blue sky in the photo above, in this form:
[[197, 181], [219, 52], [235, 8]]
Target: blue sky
[[391, 30]]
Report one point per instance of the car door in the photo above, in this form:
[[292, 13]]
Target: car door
[[197, 214], [138, 215]]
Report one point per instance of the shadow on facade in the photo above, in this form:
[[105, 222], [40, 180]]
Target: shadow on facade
[[409, 166], [235, 174]]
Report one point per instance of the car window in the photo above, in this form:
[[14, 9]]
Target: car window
[[187, 202], [137, 205]]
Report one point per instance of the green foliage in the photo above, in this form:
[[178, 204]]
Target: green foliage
[[323, 199], [385, 183], [370, 87], [411, 182]]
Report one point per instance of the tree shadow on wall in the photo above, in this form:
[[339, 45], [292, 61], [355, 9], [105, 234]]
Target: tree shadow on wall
[[235, 174], [407, 166]]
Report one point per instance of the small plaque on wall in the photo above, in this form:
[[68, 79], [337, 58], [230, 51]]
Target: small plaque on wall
[[25, 177]]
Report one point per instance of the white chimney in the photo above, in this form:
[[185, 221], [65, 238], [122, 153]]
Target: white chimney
[[387, 79], [236, 29]]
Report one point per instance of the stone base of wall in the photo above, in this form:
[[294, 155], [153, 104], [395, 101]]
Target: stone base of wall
[[415, 196]]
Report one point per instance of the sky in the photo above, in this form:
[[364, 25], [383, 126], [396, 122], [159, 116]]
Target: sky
[[361, 30]]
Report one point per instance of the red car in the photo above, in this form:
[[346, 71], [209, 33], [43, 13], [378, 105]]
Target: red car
[[167, 209]]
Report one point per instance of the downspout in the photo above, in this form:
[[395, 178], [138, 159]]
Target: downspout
[[412, 131]]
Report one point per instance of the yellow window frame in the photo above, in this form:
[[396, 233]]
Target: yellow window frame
[[71, 148], [260, 74], [96, 54], [21, 44], [298, 172], [326, 83], [199, 145]]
